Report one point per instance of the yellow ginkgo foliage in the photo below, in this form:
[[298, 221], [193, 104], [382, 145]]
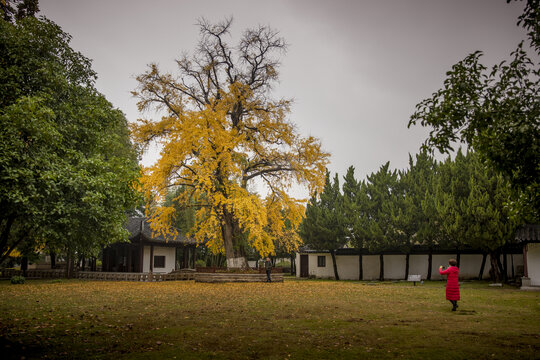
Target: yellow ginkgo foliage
[[220, 132]]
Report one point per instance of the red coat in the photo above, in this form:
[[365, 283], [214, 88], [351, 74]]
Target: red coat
[[452, 283]]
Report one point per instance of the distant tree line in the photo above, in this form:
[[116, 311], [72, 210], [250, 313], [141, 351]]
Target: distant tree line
[[455, 204]]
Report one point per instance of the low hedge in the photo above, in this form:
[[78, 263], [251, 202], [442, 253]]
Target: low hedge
[[17, 279]]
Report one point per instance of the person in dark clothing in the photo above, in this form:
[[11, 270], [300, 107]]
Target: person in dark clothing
[[268, 267]]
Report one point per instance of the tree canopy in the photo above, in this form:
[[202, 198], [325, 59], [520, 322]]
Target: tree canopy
[[221, 131], [496, 112], [68, 171]]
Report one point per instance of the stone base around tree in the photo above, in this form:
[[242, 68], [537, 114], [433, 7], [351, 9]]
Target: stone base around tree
[[235, 277]]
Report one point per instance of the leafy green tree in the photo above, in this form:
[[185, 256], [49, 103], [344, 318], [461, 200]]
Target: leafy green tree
[[68, 171], [530, 20], [323, 227], [18, 9], [496, 112]]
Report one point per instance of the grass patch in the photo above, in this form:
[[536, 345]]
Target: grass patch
[[292, 320]]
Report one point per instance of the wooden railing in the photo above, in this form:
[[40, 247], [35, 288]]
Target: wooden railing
[[235, 277], [98, 275], [33, 274], [213, 269], [185, 274], [115, 276]]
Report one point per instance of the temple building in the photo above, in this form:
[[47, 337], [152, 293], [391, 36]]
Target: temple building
[[147, 251]]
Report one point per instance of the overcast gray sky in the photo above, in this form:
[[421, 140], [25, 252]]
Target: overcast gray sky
[[356, 69]]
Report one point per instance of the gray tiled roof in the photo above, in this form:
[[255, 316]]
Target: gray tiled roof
[[140, 225], [528, 233]]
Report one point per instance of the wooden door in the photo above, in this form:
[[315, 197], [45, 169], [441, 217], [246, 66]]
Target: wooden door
[[304, 266]]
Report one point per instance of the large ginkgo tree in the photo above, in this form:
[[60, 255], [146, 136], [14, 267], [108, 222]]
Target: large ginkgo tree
[[222, 137]]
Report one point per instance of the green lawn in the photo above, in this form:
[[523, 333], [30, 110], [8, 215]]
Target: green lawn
[[296, 319]]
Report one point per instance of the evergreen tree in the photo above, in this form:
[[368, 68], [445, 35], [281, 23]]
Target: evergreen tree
[[488, 208], [379, 211], [473, 206], [355, 202], [415, 185], [324, 226]]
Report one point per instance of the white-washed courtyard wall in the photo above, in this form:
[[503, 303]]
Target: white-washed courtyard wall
[[370, 267], [347, 266], [394, 265], [418, 265], [533, 263]]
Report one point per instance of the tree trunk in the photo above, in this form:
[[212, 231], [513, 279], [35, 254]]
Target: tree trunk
[[513, 273], [5, 234], [381, 263], [407, 266], [500, 266], [151, 263], [333, 253], [481, 273], [69, 264], [360, 267], [24, 265], [430, 264], [494, 272], [234, 253], [458, 257], [53, 259], [505, 267]]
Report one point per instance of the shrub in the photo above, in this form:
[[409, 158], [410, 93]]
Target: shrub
[[284, 264], [200, 263], [17, 279]]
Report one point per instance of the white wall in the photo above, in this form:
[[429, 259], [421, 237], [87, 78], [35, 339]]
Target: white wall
[[170, 257], [533, 263], [371, 267], [394, 265], [418, 265], [348, 268]]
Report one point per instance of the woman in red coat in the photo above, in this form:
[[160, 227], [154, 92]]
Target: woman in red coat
[[452, 283]]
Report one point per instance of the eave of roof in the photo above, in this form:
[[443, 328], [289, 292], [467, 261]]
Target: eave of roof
[[140, 230], [528, 233]]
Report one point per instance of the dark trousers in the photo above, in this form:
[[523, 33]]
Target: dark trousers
[[268, 278]]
